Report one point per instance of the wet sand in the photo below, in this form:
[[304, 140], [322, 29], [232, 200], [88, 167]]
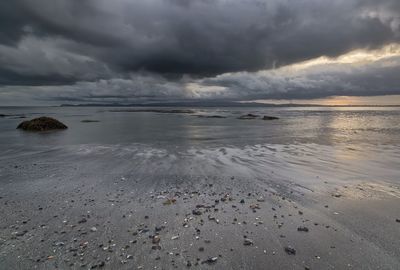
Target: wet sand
[[140, 207]]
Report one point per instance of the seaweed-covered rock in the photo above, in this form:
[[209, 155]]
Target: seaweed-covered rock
[[42, 124], [248, 116], [211, 116], [266, 117], [89, 121]]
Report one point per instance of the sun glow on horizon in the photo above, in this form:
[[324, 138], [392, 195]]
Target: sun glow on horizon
[[339, 101]]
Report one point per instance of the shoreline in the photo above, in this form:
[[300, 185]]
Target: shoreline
[[80, 210]]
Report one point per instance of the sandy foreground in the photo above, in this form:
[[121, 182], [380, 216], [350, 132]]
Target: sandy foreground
[[97, 207]]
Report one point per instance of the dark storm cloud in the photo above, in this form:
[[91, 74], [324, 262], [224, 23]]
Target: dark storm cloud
[[66, 42]]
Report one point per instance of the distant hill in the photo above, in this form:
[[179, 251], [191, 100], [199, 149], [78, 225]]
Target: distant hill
[[212, 104]]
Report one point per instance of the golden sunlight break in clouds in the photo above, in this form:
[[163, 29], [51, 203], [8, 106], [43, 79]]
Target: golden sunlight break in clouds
[[355, 57], [340, 101]]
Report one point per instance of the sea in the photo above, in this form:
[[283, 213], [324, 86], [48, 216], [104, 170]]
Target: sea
[[341, 144]]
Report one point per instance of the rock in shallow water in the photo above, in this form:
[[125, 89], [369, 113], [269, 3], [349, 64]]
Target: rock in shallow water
[[41, 124], [266, 117], [248, 116]]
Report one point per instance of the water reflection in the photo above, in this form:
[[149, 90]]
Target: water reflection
[[328, 126]]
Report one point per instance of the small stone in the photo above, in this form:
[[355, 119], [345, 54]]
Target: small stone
[[83, 220], [302, 229], [159, 228], [211, 260], [21, 233], [254, 206], [156, 239], [290, 250], [196, 212], [248, 242], [241, 201], [93, 229], [170, 201], [398, 220]]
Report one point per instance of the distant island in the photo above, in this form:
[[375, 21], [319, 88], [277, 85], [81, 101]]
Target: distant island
[[214, 104]]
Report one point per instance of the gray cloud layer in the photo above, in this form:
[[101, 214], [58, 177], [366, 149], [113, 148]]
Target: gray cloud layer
[[74, 44]]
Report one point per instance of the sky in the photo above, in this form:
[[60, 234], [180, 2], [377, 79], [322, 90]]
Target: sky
[[131, 51]]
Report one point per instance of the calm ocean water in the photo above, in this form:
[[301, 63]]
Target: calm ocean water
[[312, 125], [304, 145]]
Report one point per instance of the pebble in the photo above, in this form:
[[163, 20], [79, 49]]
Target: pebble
[[21, 233], [83, 220], [156, 239], [290, 250], [302, 229], [196, 212], [248, 242], [211, 260]]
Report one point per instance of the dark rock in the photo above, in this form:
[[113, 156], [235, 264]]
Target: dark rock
[[241, 201], [248, 242], [290, 250], [266, 117], [159, 228], [211, 116], [83, 220], [398, 220], [248, 116], [196, 212], [89, 121], [302, 229], [211, 260], [41, 124]]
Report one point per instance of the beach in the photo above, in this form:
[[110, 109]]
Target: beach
[[315, 189]]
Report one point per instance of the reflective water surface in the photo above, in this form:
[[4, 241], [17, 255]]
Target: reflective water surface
[[325, 126]]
